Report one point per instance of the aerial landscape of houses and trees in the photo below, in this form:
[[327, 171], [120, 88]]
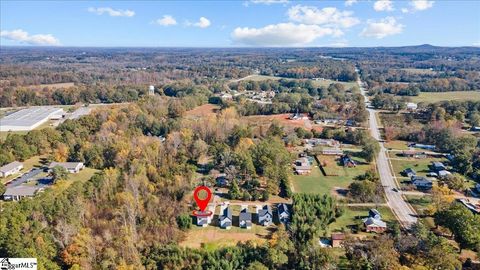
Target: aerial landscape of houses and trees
[[321, 135]]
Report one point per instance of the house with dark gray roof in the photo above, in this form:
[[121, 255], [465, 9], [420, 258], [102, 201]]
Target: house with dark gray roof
[[421, 183], [438, 166], [225, 218], [409, 172], [245, 218], [265, 215], [283, 213], [374, 213]]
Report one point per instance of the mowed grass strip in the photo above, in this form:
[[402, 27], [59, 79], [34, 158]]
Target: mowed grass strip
[[432, 97]]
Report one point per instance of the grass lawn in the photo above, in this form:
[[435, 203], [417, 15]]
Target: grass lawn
[[213, 237], [419, 165], [431, 97], [396, 144], [84, 175], [315, 182], [354, 215]]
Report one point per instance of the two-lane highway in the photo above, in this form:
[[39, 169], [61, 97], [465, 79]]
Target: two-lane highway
[[403, 210]]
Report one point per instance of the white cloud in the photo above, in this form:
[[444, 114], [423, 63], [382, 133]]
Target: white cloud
[[166, 20], [112, 12], [384, 27], [282, 34], [350, 3], [383, 5], [23, 37], [476, 44], [202, 23], [419, 5], [329, 16]]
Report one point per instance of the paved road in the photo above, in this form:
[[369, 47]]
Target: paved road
[[403, 211]]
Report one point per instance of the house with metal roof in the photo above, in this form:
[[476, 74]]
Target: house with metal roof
[[11, 168], [265, 215], [374, 225]]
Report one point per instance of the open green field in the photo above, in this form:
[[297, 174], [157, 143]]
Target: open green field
[[315, 182], [353, 215], [431, 97]]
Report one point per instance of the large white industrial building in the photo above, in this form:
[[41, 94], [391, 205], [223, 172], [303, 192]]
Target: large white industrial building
[[28, 119]]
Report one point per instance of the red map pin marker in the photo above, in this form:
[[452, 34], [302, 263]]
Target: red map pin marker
[[202, 203]]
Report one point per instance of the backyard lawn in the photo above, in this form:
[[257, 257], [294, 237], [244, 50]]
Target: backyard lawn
[[213, 237], [315, 182]]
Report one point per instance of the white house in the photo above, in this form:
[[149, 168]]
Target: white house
[[71, 167], [11, 168], [265, 215], [411, 106]]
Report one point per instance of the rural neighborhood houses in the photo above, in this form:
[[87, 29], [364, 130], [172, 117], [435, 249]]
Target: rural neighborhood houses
[[10, 169], [19, 192]]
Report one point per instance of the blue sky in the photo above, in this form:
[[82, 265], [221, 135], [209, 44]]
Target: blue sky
[[240, 23]]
